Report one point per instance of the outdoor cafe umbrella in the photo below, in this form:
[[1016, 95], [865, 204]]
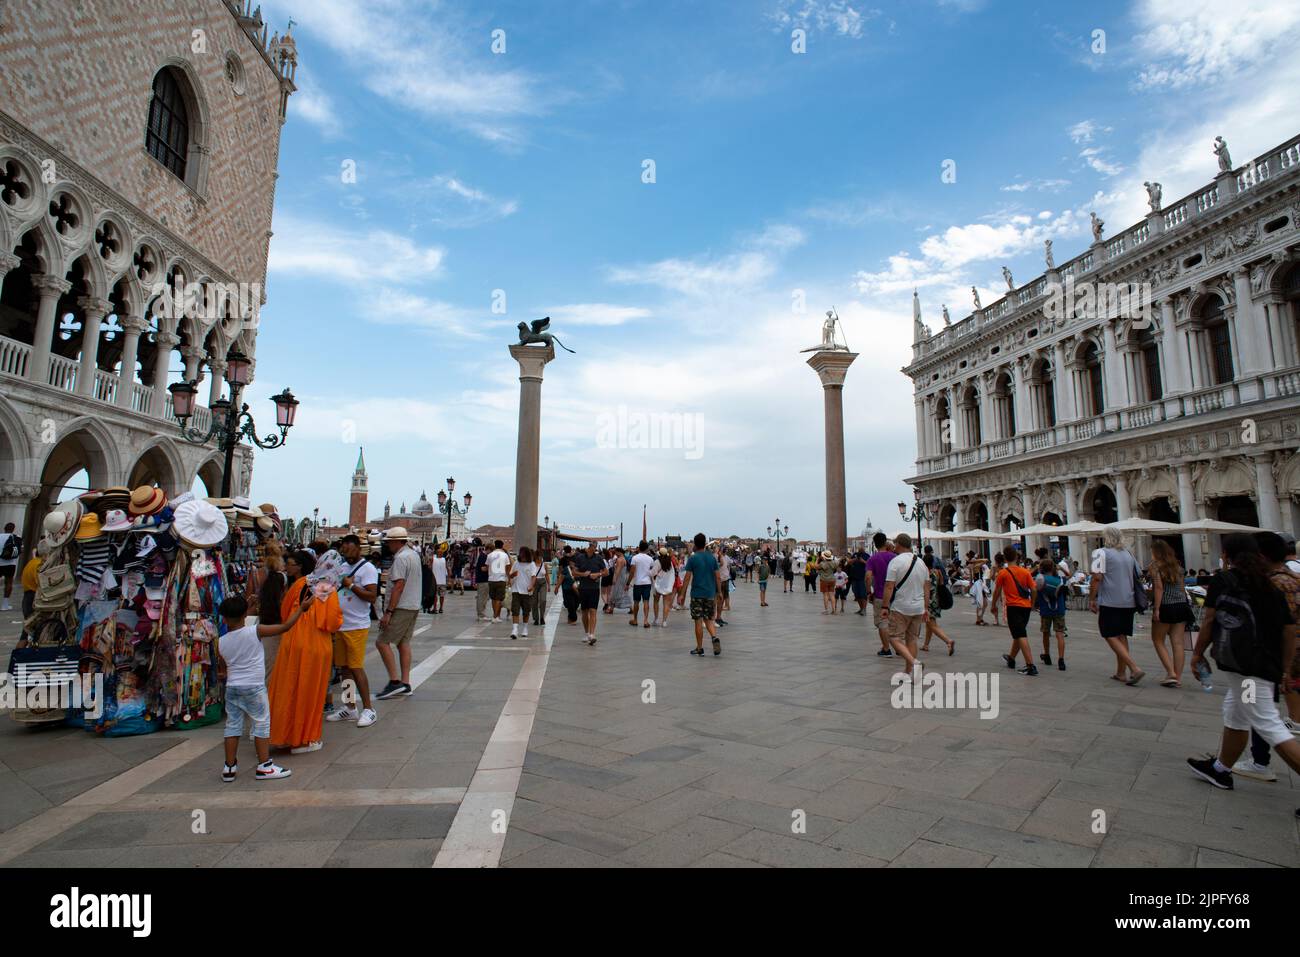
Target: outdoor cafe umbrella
[[1146, 526], [1203, 525]]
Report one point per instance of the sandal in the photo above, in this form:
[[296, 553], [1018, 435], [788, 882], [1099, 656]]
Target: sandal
[[1132, 682], [1169, 683], [1118, 678], [952, 646]]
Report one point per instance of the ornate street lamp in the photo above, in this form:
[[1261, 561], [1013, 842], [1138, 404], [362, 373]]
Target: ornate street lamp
[[920, 512], [448, 507], [231, 420]]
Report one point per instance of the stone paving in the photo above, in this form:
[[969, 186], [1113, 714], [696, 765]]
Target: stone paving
[[784, 751]]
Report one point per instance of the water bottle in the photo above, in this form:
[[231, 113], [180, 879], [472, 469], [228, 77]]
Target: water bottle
[[1202, 672]]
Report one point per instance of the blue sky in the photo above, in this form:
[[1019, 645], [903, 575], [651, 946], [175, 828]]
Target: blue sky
[[775, 172]]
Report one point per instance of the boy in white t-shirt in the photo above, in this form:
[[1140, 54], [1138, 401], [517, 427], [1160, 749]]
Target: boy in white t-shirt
[[524, 582], [498, 563], [245, 659], [642, 565]]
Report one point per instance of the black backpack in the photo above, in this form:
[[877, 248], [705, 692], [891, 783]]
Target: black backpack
[[13, 545], [1236, 645]]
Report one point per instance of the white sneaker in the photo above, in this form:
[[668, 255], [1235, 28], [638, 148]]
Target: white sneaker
[[6, 606], [368, 717], [1292, 726], [1247, 768], [342, 714], [307, 748], [524, 633], [270, 771]]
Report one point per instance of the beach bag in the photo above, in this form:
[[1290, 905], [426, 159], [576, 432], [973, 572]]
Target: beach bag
[[944, 595], [55, 588], [1235, 645], [1140, 600]]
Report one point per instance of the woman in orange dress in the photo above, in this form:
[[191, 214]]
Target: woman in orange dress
[[302, 667]]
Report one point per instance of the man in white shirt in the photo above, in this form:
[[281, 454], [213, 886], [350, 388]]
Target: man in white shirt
[[439, 566], [357, 592], [642, 566], [906, 601], [498, 562], [1292, 564], [401, 606]]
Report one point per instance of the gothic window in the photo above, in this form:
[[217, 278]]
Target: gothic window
[[168, 136]]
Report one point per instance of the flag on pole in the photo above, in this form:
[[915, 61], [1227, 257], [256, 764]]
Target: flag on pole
[[643, 528]]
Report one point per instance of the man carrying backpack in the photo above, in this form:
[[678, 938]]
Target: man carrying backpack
[[1252, 634], [1051, 611], [11, 547]]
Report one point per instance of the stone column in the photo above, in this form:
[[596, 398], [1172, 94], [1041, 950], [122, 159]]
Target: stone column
[[1177, 379], [1252, 332], [164, 341], [958, 520], [93, 311], [532, 361], [831, 367], [192, 356], [49, 289], [922, 439], [217, 370], [1027, 516], [1116, 393], [1024, 414], [1062, 383], [1270, 512], [1192, 555], [133, 327], [1123, 502], [1077, 543]]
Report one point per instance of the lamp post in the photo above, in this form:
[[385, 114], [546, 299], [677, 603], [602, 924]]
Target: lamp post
[[315, 523], [777, 531], [231, 420], [448, 507], [920, 512]]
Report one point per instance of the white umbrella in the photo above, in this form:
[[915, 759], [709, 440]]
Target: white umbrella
[[1147, 525], [980, 535], [1078, 528], [1040, 530], [1212, 525]]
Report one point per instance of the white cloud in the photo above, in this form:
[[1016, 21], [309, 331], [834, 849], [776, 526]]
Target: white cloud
[[314, 105], [744, 269], [1095, 158], [594, 314], [904, 274], [834, 16], [455, 203], [413, 57], [1189, 43], [301, 247], [1083, 131], [399, 307], [1037, 185]]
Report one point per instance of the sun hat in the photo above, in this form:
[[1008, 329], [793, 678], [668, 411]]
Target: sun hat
[[146, 500], [397, 532], [89, 527], [62, 523], [116, 521], [200, 524], [827, 554]]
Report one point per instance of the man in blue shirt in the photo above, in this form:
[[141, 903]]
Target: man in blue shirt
[[702, 578]]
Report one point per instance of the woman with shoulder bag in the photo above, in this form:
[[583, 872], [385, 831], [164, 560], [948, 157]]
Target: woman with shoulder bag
[[1113, 597]]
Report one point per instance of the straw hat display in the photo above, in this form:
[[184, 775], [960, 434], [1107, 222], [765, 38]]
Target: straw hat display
[[200, 524], [146, 500], [111, 499]]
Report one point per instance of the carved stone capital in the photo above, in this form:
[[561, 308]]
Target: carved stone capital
[[94, 307], [48, 286]]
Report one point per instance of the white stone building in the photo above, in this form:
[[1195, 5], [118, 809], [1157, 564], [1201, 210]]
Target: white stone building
[[1186, 410], [138, 152]]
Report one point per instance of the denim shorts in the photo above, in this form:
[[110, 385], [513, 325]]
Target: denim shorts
[[251, 701]]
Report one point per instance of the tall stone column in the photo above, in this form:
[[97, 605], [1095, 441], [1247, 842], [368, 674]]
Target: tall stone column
[[532, 361], [1192, 554], [165, 342], [93, 311], [1117, 397], [1270, 512], [1062, 378], [133, 327], [217, 372], [1077, 543], [48, 288], [831, 367]]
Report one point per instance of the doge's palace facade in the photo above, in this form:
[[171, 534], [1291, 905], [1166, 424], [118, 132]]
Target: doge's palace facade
[[1177, 399], [138, 150]]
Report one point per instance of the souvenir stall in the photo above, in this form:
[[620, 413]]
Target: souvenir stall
[[129, 590]]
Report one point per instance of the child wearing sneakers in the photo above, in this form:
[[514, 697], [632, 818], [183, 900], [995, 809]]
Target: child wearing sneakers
[[241, 650], [1051, 611]]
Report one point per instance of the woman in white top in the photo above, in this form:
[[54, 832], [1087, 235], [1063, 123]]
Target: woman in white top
[[439, 565], [665, 583], [523, 582]]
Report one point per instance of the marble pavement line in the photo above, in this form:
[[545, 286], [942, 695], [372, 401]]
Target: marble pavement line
[[117, 790], [478, 831]]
